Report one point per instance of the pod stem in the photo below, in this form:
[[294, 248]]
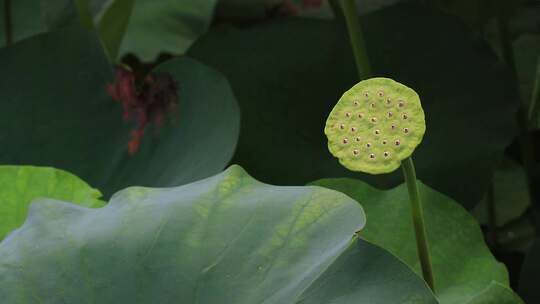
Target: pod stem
[[357, 39], [8, 22], [418, 221]]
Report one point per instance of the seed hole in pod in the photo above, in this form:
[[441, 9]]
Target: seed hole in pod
[[405, 130], [393, 126], [381, 93], [373, 119], [390, 114], [345, 141], [401, 104], [366, 94], [368, 145], [358, 139], [388, 101], [372, 106], [384, 142], [355, 102], [397, 142], [404, 116], [372, 156], [348, 114], [355, 152], [342, 126], [377, 132], [360, 115], [353, 129], [386, 154]]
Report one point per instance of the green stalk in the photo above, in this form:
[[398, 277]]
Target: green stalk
[[418, 221], [357, 39], [8, 23]]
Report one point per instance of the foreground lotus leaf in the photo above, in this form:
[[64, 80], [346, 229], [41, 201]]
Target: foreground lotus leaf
[[225, 239]]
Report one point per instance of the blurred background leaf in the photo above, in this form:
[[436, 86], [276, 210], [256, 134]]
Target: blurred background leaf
[[26, 20], [56, 112], [511, 195], [168, 26]]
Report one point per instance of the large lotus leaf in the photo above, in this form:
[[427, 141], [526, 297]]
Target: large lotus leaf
[[168, 26], [530, 275], [20, 185], [225, 239], [289, 73], [463, 266], [26, 20], [56, 112]]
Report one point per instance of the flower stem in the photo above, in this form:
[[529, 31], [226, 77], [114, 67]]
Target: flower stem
[[357, 39], [8, 24], [418, 221]]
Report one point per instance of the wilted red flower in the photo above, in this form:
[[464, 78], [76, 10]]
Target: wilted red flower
[[156, 95]]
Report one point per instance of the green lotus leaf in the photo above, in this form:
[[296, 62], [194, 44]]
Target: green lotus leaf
[[20, 185], [54, 99], [463, 267], [225, 239], [375, 125]]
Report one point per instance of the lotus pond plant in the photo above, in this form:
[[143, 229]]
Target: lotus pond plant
[[374, 128]]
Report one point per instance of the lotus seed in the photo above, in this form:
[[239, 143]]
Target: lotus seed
[[386, 154], [342, 126], [406, 130], [348, 114], [355, 152], [373, 119], [377, 132], [358, 139], [372, 156], [397, 142], [353, 129], [345, 141], [368, 145]]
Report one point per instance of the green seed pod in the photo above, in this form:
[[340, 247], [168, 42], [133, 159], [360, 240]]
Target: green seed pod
[[375, 125]]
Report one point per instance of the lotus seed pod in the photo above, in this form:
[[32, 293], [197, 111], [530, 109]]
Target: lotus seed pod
[[375, 125]]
